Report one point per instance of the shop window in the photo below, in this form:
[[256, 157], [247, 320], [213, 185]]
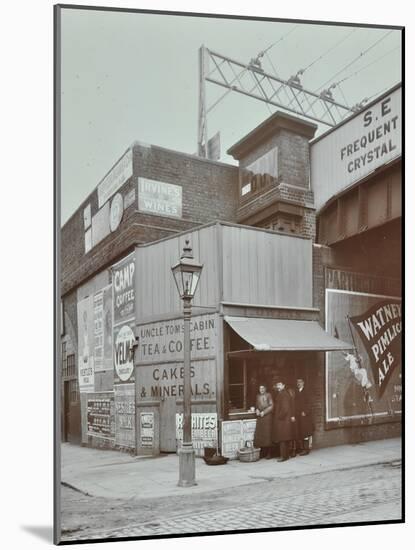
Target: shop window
[[73, 391], [237, 386], [64, 359], [70, 366]]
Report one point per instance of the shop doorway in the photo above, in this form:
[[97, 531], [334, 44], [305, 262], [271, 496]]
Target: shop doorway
[[247, 371], [168, 424], [71, 429]]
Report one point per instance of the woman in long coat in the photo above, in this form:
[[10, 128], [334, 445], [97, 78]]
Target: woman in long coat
[[283, 427], [264, 407]]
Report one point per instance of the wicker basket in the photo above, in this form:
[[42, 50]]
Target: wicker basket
[[248, 454]]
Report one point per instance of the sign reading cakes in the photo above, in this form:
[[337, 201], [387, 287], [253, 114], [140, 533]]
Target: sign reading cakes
[[123, 278], [160, 356], [157, 197]]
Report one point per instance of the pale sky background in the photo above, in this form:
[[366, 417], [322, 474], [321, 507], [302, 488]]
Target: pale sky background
[[133, 76]]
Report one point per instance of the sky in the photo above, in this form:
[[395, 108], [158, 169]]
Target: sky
[[134, 76]]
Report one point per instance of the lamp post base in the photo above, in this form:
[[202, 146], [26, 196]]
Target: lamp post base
[[186, 466]]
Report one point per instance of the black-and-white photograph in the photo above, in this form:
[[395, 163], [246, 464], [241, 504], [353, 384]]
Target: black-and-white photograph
[[229, 273]]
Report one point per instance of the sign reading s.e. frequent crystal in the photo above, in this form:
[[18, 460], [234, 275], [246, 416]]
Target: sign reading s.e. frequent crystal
[[158, 197]]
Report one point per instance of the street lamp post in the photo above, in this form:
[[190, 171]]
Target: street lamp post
[[186, 275]]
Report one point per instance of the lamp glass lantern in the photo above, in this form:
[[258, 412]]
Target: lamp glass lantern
[[186, 273]]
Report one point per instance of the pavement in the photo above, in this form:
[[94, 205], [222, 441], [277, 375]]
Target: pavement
[[113, 474]]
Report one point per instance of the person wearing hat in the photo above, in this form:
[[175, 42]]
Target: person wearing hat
[[304, 421], [262, 437], [283, 420]]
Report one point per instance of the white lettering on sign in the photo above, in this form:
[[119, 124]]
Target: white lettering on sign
[[204, 430], [158, 197], [123, 361], [123, 275], [115, 178]]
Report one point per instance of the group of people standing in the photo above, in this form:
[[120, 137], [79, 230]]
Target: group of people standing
[[283, 421]]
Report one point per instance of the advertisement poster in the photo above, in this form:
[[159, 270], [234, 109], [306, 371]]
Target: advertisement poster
[[100, 415], [204, 430], [123, 284], [163, 341], [124, 405], [103, 329], [162, 381], [158, 197], [237, 434], [146, 429], [123, 356], [86, 344], [367, 384]]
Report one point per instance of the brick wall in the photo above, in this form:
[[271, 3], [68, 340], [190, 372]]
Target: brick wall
[[323, 437], [209, 192]]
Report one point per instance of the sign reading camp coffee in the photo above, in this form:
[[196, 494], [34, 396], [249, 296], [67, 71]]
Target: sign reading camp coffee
[[123, 279]]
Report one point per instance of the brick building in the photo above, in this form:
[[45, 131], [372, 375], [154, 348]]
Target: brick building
[[269, 258]]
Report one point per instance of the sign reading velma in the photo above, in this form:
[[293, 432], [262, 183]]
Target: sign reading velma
[[158, 197], [357, 147]]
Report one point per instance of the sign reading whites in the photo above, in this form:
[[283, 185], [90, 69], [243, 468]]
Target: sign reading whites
[[204, 430], [115, 178], [157, 197]]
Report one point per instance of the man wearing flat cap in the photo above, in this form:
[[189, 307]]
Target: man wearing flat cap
[[283, 420]]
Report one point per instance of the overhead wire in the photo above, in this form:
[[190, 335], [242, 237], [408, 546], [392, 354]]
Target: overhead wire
[[302, 71], [366, 66], [354, 60]]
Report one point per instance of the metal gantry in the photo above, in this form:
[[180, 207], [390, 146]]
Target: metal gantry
[[251, 80]]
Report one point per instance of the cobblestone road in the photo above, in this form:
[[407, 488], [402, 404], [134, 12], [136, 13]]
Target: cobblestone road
[[362, 494]]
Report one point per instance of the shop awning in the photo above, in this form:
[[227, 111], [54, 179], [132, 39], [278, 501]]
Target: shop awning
[[285, 335]]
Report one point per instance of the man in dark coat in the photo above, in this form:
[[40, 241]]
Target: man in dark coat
[[283, 420], [304, 420]]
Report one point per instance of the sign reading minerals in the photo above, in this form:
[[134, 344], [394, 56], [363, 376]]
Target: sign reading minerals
[[380, 331]]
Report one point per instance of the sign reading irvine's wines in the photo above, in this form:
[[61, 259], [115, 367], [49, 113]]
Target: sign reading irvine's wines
[[380, 330]]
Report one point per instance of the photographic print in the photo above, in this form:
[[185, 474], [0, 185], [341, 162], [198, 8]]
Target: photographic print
[[229, 274]]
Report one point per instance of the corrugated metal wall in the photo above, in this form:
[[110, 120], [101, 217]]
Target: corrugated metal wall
[[156, 290], [259, 267], [265, 268]]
